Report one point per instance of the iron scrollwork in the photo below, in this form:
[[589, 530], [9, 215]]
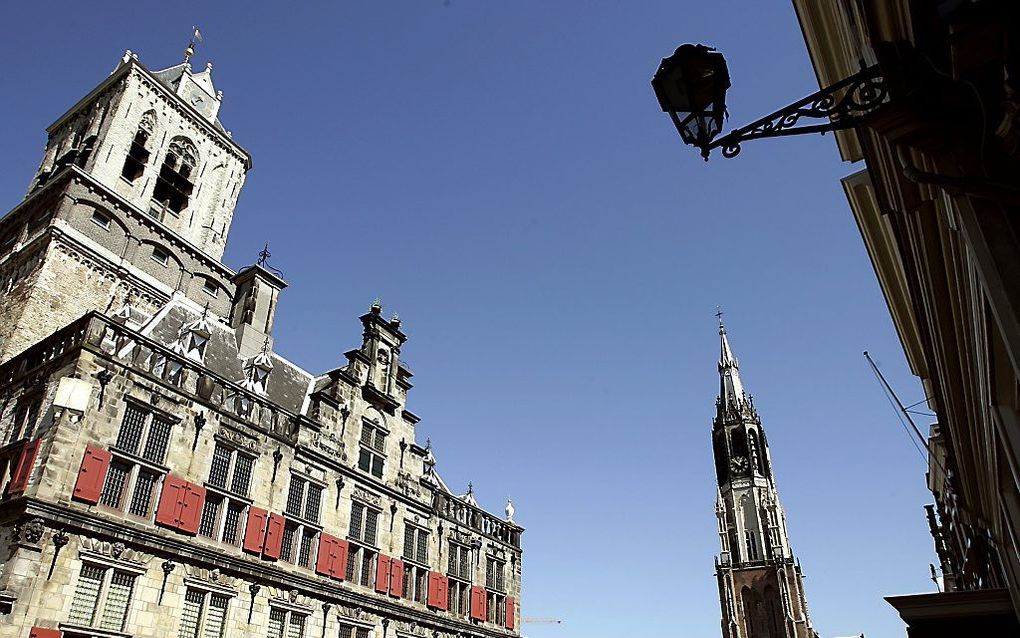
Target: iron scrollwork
[[843, 104]]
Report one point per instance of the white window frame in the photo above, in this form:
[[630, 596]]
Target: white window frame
[[203, 610], [108, 568]]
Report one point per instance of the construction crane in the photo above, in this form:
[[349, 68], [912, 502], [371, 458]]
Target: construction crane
[[533, 620]]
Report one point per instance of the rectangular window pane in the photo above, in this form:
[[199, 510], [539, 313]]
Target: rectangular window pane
[[377, 464], [362, 632], [422, 555], [366, 434], [190, 613], [287, 550], [357, 514], [86, 595], [232, 524], [346, 631], [297, 626], [371, 526], [409, 542], [313, 502], [380, 441], [118, 597], [116, 476], [295, 495], [352, 560], [366, 568], [216, 616], [219, 467], [155, 444], [130, 434], [277, 617], [365, 460], [210, 515], [141, 500], [305, 551], [242, 475]]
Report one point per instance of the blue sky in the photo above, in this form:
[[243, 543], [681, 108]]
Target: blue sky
[[499, 173]]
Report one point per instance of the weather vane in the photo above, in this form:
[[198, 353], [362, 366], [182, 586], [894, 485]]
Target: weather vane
[[263, 261], [196, 35]]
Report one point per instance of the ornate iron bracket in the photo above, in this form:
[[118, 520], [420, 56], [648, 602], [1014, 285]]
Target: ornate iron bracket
[[843, 104]]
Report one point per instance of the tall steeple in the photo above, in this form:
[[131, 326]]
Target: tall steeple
[[731, 389], [761, 589]]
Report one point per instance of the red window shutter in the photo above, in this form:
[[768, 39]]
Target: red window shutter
[[396, 577], [168, 512], [433, 595], [511, 608], [382, 574], [39, 632], [191, 508], [340, 549], [255, 530], [19, 479], [94, 466], [478, 603], [274, 537], [444, 592], [324, 560]]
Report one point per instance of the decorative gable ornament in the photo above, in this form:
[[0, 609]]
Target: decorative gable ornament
[[256, 371]]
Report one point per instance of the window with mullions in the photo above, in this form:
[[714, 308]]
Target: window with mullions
[[304, 503], [225, 504], [102, 598], [284, 623], [458, 598], [353, 631], [136, 469], [204, 614], [26, 413], [494, 574], [415, 584], [373, 449], [416, 544], [304, 499], [364, 530], [495, 608], [460, 561]]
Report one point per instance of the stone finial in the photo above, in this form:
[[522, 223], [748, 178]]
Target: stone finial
[[376, 306], [395, 320], [509, 510], [208, 66]]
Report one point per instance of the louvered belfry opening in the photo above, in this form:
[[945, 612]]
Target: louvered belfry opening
[[173, 184]]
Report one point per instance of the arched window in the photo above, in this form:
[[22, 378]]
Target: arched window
[[174, 183], [138, 154], [757, 453]]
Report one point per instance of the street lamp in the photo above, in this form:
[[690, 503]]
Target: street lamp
[[691, 86]]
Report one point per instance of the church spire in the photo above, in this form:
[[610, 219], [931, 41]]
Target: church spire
[[731, 388]]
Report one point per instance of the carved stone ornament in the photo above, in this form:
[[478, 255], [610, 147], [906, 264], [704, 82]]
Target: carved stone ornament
[[407, 485], [412, 628], [290, 596], [212, 576], [365, 496], [354, 613], [31, 532], [116, 551], [233, 437], [330, 443]]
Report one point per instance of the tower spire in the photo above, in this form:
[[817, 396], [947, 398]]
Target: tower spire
[[731, 388]]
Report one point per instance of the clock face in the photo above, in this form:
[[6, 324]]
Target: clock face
[[739, 465], [197, 98]]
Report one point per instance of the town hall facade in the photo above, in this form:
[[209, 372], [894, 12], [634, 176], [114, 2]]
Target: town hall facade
[[164, 472]]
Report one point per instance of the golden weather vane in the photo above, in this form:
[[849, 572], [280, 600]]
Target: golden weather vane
[[196, 36]]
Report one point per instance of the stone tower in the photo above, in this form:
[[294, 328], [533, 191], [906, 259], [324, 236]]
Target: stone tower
[[129, 208], [761, 588]]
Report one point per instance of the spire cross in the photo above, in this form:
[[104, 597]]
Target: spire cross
[[719, 315]]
